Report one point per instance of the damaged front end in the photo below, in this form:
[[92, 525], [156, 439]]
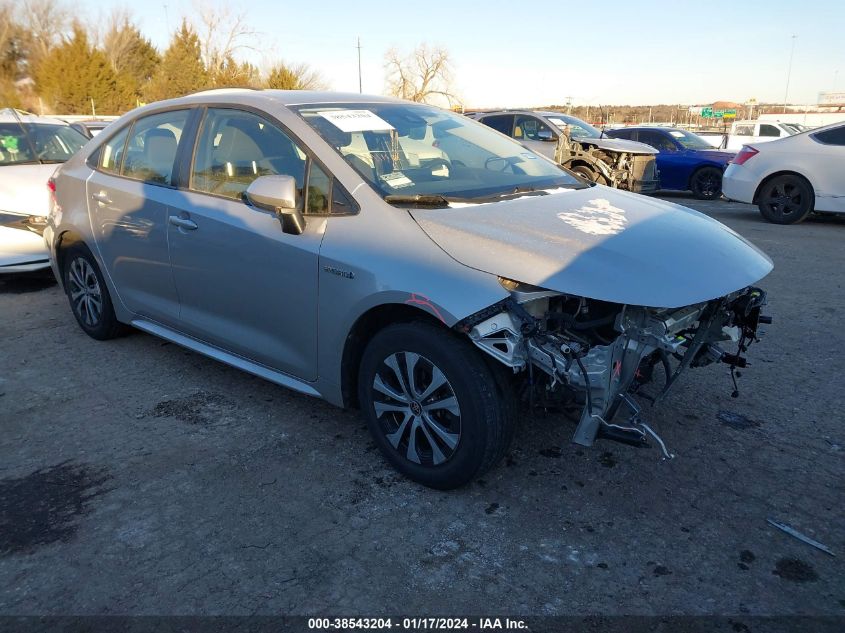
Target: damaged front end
[[594, 355]]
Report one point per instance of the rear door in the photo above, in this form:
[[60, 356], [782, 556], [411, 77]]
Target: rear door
[[244, 285], [128, 193]]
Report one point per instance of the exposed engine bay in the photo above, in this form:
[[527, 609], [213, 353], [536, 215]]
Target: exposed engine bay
[[595, 355]]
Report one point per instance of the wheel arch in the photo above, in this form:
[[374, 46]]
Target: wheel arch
[[364, 329], [785, 172], [65, 240]]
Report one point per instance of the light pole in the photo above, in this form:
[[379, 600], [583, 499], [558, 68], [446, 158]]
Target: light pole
[[360, 89], [788, 73]]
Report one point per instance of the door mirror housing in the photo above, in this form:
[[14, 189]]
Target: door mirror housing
[[277, 194], [546, 135]]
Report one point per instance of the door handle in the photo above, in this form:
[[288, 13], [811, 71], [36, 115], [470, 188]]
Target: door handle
[[183, 223], [102, 197]]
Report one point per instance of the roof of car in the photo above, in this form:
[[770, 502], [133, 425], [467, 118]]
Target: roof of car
[[7, 115], [293, 97]]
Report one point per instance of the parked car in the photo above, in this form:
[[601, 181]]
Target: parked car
[[245, 225], [30, 148], [792, 177], [754, 131], [586, 150], [90, 128], [686, 162]]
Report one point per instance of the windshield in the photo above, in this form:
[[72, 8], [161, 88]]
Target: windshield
[[689, 140], [577, 127], [38, 142], [406, 150]]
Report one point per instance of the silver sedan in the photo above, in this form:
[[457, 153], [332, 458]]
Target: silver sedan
[[398, 258]]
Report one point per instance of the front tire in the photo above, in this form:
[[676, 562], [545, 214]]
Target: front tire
[[433, 406], [706, 183], [88, 294], [785, 199]]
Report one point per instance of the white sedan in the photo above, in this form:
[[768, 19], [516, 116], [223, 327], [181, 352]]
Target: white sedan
[[31, 147], [791, 177]]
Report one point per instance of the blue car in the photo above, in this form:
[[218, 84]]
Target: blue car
[[686, 161]]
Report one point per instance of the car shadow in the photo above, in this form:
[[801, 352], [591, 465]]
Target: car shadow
[[22, 283]]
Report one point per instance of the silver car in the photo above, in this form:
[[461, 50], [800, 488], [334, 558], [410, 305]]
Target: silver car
[[300, 237]]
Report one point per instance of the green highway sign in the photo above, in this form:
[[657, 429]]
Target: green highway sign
[[710, 113]]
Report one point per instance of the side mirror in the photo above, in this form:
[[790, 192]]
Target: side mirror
[[546, 135], [277, 194]]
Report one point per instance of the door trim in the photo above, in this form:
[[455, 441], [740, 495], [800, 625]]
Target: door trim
[[257, 369]]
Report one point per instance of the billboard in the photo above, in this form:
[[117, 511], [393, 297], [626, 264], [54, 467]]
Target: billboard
[[832, 99]]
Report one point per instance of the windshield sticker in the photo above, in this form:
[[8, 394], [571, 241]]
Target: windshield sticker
[[529, 156], [677, 134], [396, 180], [597, 217], [356, 121], [559, 123]]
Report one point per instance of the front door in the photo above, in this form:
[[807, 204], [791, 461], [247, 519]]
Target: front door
[[244, 285], [128, 194]]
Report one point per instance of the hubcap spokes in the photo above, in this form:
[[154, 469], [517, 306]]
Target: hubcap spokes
[[784, 199], [85, 294], [417, 408]]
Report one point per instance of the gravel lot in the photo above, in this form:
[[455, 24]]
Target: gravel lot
[[140, 478]]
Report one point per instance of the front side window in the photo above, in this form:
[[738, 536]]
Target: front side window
[[456, 157], [769, 130], [236, 147], [530, 128], [151, 150], [656, 140]]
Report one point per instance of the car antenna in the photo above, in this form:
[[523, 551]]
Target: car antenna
[[601, 111]]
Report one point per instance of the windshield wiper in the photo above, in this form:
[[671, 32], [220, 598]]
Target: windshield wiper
[[424, 200]]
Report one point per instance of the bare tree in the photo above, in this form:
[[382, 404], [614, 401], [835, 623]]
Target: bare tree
[[423, 75], [222, 33], [46, 23]]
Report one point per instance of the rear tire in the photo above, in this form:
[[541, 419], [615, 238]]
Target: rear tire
[[88, 294], [706, 183], [433, 406], [786, 199]]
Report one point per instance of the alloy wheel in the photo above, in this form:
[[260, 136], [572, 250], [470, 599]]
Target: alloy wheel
[[417, 409], [707, 183], [85, 294], [783, 199]]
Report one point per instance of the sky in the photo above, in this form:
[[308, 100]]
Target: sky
[[512, 54]]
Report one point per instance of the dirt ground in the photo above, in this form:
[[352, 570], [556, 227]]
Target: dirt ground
[[140, 478]]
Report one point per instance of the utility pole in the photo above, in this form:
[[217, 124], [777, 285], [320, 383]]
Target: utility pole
[[360, 88], [788, 73], [569, 105]]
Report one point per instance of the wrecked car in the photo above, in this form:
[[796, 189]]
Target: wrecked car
[[580, 147], [294, 236]]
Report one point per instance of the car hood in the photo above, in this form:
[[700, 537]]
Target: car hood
[[600, 243], [23, 188], [618, 145]]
